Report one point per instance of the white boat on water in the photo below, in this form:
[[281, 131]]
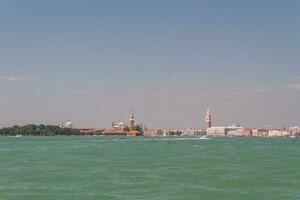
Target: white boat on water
[[18, 135], [203, 137]]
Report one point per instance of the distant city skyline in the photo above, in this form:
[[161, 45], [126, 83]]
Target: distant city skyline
[[92, 61]]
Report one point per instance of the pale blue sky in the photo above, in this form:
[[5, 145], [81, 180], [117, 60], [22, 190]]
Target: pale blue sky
[[91, 61]]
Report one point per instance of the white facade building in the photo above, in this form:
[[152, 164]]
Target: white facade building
[[216, 131], [279, 133], [238, 132], [121, 125], [294, 130], [221, 131]]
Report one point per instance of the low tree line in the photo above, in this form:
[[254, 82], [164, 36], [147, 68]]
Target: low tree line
[[37, 130]]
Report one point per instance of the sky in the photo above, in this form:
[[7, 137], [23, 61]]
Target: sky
[[92, 61]]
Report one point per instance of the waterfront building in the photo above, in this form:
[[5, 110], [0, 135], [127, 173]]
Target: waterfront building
[[173, 131], [192, 132], [123, 129], [199, 132], [294, 131], [119, 129], [120, 125], [237, 132], [260, 132], [222, 131], [160, 132], [278, 133], [150, 132], [87, 131], [188, 132], [247, 132], [134, 133], [216, 131]]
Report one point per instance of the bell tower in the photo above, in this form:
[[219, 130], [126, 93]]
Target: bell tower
[[208, 119], [132, 128]]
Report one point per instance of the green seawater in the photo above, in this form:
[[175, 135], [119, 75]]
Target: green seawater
[[140, 168]]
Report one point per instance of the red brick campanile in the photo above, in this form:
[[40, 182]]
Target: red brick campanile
[[208, 119]]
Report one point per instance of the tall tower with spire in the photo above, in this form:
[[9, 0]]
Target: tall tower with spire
[[132, 128], [208, 119]]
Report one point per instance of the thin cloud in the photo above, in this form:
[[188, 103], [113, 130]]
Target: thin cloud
[[174, 78], [84, 93], [3, 97], [261, 89], [14, 78], [294, 86], [297, 78]]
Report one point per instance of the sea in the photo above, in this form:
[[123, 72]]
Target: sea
[[149, 168]]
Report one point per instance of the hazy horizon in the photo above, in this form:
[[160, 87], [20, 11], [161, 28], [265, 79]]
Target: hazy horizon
[[92, 61]]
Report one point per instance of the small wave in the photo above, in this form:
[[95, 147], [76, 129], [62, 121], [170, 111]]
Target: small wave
[[15, 136], [175, 139], [197, 146], [151, 139]]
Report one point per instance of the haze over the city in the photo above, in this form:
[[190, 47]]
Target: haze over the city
[[92, 61]]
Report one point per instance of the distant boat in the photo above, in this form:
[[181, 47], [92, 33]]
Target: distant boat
[[292, 136], [203, 137], [18, 135]]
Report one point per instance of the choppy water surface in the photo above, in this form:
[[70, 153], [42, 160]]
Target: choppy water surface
[[149, 168]]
